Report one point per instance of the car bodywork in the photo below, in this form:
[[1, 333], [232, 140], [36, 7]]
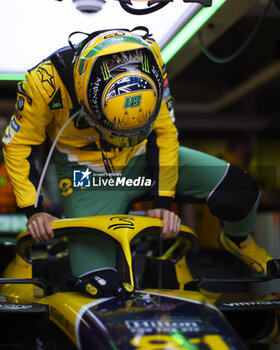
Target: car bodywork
[[165, 311]]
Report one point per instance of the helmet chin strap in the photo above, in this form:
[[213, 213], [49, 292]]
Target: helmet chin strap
[[108, 167], [106, 163]]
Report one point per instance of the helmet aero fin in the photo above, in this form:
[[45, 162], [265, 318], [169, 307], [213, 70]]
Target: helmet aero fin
[[118, 82]]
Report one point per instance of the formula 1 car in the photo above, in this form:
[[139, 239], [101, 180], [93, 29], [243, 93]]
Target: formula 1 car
[[163, 307]]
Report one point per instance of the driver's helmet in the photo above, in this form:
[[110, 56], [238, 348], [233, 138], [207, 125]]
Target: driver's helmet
[[118, 82]]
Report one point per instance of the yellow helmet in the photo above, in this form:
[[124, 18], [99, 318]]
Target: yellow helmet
[[118, 82]]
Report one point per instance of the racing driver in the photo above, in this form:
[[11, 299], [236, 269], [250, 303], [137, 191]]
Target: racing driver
[[108, 100]]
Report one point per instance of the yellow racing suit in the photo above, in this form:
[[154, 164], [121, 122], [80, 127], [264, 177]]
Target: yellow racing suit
[[45, 102], [44, 105]]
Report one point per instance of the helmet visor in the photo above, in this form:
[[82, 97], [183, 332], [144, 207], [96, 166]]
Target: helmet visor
[[109, 66]]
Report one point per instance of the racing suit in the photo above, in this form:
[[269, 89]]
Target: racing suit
[[44, 104]]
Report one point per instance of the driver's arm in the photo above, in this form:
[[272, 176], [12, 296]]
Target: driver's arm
[[27, 130], [162, 160]]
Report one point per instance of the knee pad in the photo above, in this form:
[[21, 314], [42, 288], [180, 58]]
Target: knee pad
[[235, 196]]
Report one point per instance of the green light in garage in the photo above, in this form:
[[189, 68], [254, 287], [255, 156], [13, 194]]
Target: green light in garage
[[189, 30], [18, 77]]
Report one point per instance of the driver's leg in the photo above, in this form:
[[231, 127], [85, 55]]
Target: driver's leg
[[231, 195]]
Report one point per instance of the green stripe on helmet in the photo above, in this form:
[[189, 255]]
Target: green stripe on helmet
[[112, 41]]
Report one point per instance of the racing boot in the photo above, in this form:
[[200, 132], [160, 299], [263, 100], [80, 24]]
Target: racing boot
[[248, 251]]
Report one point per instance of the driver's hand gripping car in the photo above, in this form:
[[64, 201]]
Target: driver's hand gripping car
[[124, 129]]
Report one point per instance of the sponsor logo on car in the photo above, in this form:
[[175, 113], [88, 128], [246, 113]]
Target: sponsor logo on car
[[15, 307], [253, 303], [150, 326]]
